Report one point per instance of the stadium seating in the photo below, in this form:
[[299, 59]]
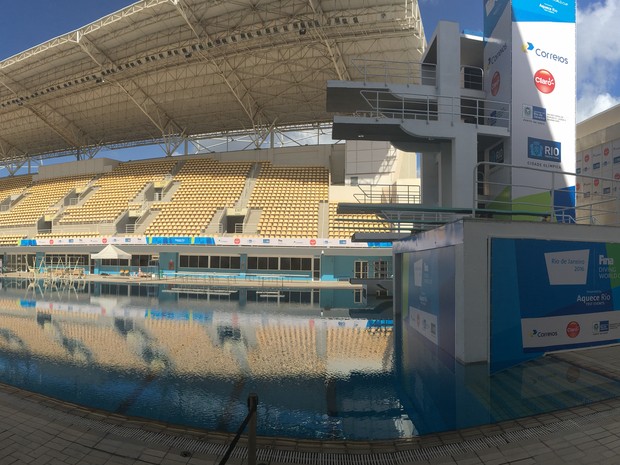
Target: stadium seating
[[205, 186], [40, 197], [346, 225], [289, 200], [115, 190]]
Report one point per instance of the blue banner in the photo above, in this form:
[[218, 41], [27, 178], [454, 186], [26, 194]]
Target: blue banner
[[552, 295], [556, 11]]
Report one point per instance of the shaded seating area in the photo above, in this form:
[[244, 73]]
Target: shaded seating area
[[344, 226], [114, 191], [289, 199], [205, 186], [40, 197]]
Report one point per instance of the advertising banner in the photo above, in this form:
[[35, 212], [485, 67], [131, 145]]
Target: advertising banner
[[530, 63], [552, 295], [543, 95], [207, 241], [99, 240], [430, 308]]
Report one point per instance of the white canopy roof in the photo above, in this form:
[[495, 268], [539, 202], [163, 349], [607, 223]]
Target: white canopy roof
[[163, 70], [111, 252]]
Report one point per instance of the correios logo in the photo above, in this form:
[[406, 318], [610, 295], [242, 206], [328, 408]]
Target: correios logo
[[544, 81], [536, 333], [529, 46]]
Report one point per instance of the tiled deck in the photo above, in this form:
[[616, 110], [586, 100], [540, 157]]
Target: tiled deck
[[37, 430]]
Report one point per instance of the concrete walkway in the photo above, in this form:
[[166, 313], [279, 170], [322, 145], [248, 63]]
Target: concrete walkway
[[38, 430]]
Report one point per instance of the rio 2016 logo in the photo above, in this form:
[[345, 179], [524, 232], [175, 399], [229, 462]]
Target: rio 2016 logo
[[544, 81]]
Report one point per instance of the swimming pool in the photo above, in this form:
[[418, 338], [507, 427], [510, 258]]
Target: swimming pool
[[193, 359], [323, 367]]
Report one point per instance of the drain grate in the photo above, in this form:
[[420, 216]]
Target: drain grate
[[268, 454]]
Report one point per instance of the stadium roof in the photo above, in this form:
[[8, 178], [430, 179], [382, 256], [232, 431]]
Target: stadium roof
[[163, 70]]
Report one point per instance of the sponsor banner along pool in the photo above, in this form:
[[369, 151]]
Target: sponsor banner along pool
[[552, 295]]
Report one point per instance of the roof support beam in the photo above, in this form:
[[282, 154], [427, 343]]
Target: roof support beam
[[330, 44], [242, 94], [154, 113], [10, 152], [65, 128]]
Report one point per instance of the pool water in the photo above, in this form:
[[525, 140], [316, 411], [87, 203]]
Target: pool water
[[323, 366], [193, 358]]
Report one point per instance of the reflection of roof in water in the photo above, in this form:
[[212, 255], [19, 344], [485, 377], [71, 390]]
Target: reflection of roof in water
[[215, 343]]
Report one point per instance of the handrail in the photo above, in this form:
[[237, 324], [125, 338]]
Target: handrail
[[595, 208], [396, 72], [472, 77], [388, 193], [250, 419], [385, 104]]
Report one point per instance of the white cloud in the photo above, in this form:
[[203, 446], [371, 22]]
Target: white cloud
[[598, 62]]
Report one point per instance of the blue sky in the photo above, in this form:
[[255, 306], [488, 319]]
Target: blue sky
[[25, 24]]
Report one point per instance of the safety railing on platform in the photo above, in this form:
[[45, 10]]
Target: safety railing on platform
[[412, 73], [385, 104], [545, 194], [388, 193], [396, 72], [472, 77]]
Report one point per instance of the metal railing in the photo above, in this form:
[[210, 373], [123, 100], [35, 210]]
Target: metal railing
[[596, 199], [396, 72], [384, 104], [472, 77], [388, 193], [413, 73], [250, 420]]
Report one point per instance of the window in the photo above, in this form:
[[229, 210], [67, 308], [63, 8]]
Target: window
[[381, 269], [360, 270]]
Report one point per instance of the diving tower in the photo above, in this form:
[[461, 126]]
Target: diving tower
[[437, 107]]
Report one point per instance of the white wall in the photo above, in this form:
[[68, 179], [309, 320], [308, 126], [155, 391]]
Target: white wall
[[372, 162], [76, 168]]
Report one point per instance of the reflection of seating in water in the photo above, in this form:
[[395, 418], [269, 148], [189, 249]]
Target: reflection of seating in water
[[286, 350], [190, 349], [104, 342], [358, 344], [37, 339]]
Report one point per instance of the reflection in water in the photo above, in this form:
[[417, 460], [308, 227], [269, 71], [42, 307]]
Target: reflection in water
[[193, 360], [440, 394], [322, 367]]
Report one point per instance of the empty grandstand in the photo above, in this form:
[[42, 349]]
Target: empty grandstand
[[199, 80]]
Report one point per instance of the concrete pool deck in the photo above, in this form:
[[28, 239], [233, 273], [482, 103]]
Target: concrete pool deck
[[35, 429]]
